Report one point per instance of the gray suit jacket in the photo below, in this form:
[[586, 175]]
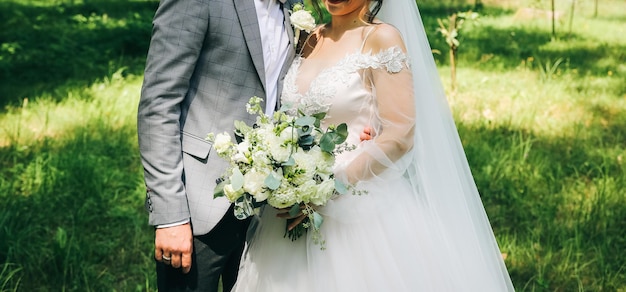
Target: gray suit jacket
[[204, 63]]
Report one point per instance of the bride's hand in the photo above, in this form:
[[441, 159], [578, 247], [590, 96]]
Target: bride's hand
[[297, 219], [367, 134]]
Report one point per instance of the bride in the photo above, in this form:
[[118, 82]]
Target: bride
[[420, 226]]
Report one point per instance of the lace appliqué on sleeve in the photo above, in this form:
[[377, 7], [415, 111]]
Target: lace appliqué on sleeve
[[393, 59]]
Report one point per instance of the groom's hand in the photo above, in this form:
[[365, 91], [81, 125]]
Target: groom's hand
[[174, 245]]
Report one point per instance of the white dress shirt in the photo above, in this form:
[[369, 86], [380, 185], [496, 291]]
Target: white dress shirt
[[275, 42]]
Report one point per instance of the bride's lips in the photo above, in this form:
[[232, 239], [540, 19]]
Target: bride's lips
[[336, 1]]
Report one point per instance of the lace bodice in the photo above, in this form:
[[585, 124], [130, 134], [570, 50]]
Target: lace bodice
[[332, 80]]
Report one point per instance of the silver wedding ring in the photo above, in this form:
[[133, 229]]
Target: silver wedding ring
[[166, 258]]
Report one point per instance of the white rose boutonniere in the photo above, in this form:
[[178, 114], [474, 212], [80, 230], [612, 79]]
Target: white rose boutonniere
[[301, 19]]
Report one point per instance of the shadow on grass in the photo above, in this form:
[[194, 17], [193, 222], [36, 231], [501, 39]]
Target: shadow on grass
[[618, 19], [613, 123], [47, 48], [493, 48], [73, 215], [496, 48]]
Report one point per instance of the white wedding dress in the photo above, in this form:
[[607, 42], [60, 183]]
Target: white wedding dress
[[385, 240]]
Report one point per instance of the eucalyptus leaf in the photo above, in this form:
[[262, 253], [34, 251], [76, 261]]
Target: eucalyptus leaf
[[340, 187], [272, 182], [330, 139], [305, 130], [318, 118], [305, 121], [317, 220], [294, 210], [218, 191], [306, 141], [236, 180], [289, 162], [326, 143], [342, 133], [285, 106], [242, 126]]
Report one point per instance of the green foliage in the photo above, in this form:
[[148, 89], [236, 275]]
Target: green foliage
[[44, 46], [333, 137], [450, 32], [549, 69]]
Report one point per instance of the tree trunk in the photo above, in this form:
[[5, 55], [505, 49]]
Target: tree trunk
[[571, 16], [453, 69], [478, 4], [453, 49], [553, 20]]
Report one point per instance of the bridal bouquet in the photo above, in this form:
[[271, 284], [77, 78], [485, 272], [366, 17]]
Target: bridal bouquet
[[286, 162]]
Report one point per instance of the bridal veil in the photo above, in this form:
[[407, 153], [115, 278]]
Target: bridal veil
[[440, 173]]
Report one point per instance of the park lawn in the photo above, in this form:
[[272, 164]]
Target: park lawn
[[543, 123]]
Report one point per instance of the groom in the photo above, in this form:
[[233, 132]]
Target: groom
[[206, 59]]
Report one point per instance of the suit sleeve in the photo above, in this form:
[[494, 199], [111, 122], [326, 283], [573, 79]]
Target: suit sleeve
[[178, 34]]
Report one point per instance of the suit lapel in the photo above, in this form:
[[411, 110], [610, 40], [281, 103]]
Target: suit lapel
[[246, 11], [286, 5]]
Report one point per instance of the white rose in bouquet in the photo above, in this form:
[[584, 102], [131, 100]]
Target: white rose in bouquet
[[304, 168], [222, 143], [261, 158], [325, 165], [305, 161], [288, 135], [325, 191], [279, 151], [243, 152], [232, 194], [254, 184], [308, 190]]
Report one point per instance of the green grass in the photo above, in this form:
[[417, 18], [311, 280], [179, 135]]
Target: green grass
[[543, 123], [544, 127], [71, 193]]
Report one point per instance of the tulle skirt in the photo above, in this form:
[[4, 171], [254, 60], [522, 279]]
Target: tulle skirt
[[384, 240]]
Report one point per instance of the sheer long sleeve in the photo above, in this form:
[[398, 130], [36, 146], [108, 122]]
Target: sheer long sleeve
[[393, 121]]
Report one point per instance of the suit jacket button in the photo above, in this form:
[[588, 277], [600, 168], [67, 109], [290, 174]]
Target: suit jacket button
[[148, 205]]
